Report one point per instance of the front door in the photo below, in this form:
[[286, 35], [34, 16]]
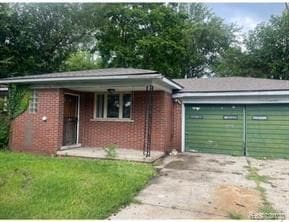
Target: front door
[[70, 119]]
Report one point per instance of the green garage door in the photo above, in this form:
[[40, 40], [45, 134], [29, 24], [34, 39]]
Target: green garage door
[[267, 130], [214, 129]]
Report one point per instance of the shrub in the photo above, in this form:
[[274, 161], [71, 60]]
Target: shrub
[[4, 126], [110, 151]]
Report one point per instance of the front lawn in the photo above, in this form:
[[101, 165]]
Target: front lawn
[[33, 186]]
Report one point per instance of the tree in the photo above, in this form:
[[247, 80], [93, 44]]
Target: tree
[[266, 54], [81, 60], [235, 62], [37, 38], [155, 36]]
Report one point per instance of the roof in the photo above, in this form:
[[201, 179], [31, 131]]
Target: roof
[[89, 73], [118, 74], [231, 84]]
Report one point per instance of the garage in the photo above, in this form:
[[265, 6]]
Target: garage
[[236, 116], [214, 129], [267, 130], [252, 130]]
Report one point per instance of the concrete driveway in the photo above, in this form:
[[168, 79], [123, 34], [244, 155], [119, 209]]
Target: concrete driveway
[[205, 186]]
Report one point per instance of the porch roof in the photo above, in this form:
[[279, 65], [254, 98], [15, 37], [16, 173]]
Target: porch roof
[[3, 91], [122, 76]]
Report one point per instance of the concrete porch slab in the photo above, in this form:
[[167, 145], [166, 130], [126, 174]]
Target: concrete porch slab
[[122, 154]]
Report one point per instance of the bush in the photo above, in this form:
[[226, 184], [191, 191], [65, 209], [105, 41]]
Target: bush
[[4, 126], [4, 131], [111, 151]]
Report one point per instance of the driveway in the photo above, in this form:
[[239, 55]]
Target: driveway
[[206, 186]]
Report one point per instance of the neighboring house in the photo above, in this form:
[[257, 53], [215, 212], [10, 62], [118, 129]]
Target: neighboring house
[[3, 97], [141, 109]]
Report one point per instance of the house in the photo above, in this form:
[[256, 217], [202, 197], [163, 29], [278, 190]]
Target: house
[[144, 110], [3, 96]]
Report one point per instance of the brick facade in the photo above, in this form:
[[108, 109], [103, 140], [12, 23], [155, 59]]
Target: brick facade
[[32, 134], [127, 134], [176, 142]]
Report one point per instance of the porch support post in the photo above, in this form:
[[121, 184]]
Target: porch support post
[[148, 121]]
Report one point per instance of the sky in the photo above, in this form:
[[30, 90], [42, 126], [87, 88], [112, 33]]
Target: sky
[[246, 15]]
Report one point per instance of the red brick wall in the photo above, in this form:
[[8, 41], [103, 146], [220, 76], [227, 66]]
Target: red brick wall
[[30, 133], [177, 127], [127, 134]]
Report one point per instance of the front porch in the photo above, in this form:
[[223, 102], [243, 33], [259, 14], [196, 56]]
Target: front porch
[[121, 154]]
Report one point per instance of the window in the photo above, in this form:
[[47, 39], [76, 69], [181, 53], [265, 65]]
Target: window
[[4, 104], [126, 106], [100, 106], [33, 102], [113, 106], [230, 117], [259, 117]]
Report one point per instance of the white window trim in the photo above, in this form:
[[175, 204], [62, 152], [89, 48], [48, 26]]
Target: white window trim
[[120, 113]]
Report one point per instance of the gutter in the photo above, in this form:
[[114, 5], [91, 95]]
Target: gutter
[[170, 83], [64, 79], [256, 93]]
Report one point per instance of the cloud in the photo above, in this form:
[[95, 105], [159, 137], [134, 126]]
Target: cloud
[[245, 22]]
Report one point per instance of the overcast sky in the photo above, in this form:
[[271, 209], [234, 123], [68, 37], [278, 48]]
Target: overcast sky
[[246, 15]]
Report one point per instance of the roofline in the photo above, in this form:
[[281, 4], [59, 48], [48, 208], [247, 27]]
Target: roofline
[[240, 93], [84, 78], [167, 81], [172, 83]]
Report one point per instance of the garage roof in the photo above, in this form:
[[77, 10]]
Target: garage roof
[[231, 84]]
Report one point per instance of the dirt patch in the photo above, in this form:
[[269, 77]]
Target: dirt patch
[[237, 201], [223, 163], [182, 162], [213, 161], [176, 164]]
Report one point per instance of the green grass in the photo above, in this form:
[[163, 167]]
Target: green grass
[[253, 175], [267, 210], [48, 187], [235, 216]]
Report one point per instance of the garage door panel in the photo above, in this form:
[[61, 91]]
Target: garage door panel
[[217, 122], [219, 150], [281, 128], [279, 108], [209, 129], [269, 150], [268, 136], [271, 123], [260, 141], [214, 137], [268, 145], [277, 118], [265, 129]]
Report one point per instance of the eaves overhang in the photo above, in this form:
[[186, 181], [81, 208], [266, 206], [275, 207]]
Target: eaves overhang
[[66, 81], [232, 93]]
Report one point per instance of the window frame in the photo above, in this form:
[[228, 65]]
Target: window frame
[[33, 103], [105, 108], [5, 104]]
